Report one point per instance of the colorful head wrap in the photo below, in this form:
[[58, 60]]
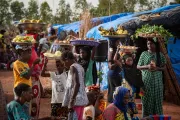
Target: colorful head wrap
[[118, 95]]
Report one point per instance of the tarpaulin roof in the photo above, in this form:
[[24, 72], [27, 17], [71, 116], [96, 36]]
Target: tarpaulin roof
[[94, 32], [75, 26]]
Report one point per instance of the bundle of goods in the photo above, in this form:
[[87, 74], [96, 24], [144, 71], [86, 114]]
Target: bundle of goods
[[66, 41], [56, 55], [31, 24], [149, 17], [148, 31], [94, 88], [128, 49], [23, 40], [30, 21], [120, 32]]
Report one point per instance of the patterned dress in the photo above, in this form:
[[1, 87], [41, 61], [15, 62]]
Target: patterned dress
[[153, 85], [113, 113]]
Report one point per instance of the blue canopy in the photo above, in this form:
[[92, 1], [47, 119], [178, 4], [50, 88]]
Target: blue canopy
[[173, 53], [94, 32], [75, 26]]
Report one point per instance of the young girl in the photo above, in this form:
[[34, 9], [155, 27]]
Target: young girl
[[22, 72], [89, 110], [75, 95], [58, 89], [132, 76], [85, 58]]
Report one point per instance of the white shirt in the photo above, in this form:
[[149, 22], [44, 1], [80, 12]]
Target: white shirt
[[58, 86], [43, 41]]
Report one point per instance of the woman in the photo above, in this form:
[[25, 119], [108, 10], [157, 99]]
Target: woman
[[118, 109], [75, 96], [85, 58], [36, 85], [152, 63], [114, 77]]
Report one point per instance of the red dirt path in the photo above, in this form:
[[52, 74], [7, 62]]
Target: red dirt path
[[6, 78]]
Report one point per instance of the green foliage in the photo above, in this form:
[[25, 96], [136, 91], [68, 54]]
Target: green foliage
[[18, 10], [81, 4], [45, 12], [177, 1], [150, 4], [100, 74], [5, 15], [147, 29], [32, 11], [63, 13]]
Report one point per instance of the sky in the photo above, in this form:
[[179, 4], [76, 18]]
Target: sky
[[54, 3]]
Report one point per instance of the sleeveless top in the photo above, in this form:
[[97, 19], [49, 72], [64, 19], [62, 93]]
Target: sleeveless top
[[81, 98]]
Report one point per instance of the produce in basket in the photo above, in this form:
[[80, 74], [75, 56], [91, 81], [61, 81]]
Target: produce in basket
[[23, 39], [152, 31], [120, 31], [128, 49], [49, 55]]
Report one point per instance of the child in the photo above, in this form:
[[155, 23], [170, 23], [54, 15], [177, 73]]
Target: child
[[22, 72], [132, 77], [58, 89], [89, 110], [15, 108], [75, 96], [99, 104]]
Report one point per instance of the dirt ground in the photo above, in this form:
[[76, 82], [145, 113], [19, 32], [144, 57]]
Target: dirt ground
[[6, 78]]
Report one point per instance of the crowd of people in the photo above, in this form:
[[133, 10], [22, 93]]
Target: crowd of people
[[75, 74]]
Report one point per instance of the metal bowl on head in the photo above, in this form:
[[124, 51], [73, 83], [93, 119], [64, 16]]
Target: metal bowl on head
[[84, 42], [31, 26]]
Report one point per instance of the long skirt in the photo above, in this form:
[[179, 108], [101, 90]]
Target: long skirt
[[35, 103]]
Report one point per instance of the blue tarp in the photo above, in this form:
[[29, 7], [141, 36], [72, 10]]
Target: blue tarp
[[94, 32], [76, 25], [173, 53]]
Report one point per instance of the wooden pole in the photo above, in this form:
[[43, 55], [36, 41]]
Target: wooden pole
[[172, 89]]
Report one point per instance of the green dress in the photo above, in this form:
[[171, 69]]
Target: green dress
[[153, 85]]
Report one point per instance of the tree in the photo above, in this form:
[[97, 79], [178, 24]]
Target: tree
[[81, 4], [68, 13], [63, 13], [32, 11], [149, 5], [5, 15], [17, 9], [45, 12], [177, 1]]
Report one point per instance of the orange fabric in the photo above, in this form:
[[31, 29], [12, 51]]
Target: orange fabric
[[18, 68]]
